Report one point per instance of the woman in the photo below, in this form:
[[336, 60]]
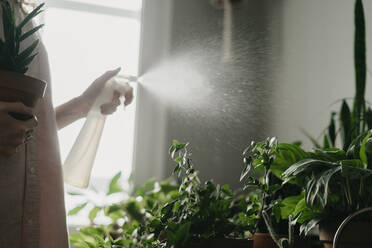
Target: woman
[[32, 213]]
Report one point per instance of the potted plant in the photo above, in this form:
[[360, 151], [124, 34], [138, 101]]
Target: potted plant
[[188, 214], [270, 159], [14, 85], [205, 214], [336, 182]]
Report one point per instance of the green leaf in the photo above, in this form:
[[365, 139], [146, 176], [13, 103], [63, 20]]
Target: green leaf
[[32, 14], [30, 32], [148, 186], [326, 142], [182, 233], [93, 213], [368, 118], [306, 167], [74, 193], [306, 228], [345, 123], [289, 205], [287, 155], [77, 209], [27, 52], [114, 186], [332, 130], [318, 191], [362, 153], [360, 63]]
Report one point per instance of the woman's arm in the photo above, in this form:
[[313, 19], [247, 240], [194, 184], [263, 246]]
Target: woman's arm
[[79, 107], [70, 111]]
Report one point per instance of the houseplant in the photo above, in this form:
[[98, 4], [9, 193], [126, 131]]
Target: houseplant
[[14, 85], [269, 159], [188, 214], [336, 182], [209, 213]]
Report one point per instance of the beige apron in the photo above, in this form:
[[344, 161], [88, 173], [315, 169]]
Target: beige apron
[[32, 211]]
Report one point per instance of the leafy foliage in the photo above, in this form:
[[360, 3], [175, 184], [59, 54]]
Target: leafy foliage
[[11, 58], [337, 181], [169, 215], [271, 159], [204, 211]]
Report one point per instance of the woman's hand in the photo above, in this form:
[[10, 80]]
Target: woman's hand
[[90, 95], [79, 107], [13, 132]]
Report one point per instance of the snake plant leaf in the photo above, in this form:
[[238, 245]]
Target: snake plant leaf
[[22, 66], [27, 52], [30, 32], [326, 144], [345, 124], [359, 63], [33, 13], [8, 23], [368, 118], [332, 130]]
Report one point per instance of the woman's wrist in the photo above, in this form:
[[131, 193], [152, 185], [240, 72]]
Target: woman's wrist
[[71, 111], [82, 105]]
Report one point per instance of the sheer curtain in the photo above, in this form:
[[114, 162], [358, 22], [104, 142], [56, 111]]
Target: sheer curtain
[[84, 39]]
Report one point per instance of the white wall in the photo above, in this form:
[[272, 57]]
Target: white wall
[[316, 67]]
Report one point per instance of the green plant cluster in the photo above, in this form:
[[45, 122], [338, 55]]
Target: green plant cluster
[[166, 214], [11, 58], [334, 179]]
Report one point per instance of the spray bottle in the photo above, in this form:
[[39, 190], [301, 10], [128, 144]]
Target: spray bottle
[[79, 162]]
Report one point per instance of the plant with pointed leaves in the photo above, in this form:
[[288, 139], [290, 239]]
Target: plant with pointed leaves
[[11, 58], [337, 181], [349, 123]]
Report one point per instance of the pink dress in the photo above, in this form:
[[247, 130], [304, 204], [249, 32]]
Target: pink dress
[[32, 210]]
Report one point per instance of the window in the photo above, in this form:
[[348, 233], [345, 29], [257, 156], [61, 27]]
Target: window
[[84, 38]]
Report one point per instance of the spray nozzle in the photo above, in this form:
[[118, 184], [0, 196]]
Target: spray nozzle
[[126, 77]]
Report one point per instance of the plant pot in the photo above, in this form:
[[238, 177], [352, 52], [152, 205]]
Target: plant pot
[[264, 240], [16, 87], [355, 235], [223, 243]]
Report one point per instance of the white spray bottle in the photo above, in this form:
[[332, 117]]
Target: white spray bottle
[[79, 162]]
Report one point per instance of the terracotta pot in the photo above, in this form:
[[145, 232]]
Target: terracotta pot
[[264, 240], [355, 234], [16, 87], [223, 243]]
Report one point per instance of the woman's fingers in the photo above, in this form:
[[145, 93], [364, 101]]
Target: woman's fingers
[[13, 131], [16, 107], [110, 107], [128, 95], [100, 82]]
